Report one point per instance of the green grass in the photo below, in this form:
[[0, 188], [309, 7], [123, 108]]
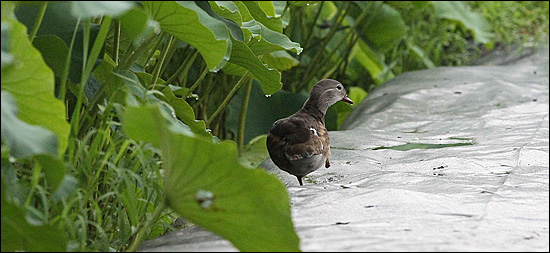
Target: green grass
[[516, 22], [119, 185]]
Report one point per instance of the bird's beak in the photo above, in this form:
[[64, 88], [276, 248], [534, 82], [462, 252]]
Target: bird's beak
[[347, 100]]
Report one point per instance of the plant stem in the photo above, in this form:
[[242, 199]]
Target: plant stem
[[242, 117], [171, 52], [205, 94], [348, 32], [227, 98], [197, 82], [143, 230], [38, 20], [181, 68], [338, 19], [160, 62], [63, 86], [116, 42], [130, 57], [76, 112], [88, 64], [157, 45], [310, 32]]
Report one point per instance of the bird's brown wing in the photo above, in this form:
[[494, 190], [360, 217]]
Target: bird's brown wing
[[297, 138]]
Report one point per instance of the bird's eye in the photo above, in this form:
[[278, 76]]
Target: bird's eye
[[339, 87]]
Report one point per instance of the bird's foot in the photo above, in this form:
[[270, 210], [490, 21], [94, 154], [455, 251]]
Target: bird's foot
[[327, 164]]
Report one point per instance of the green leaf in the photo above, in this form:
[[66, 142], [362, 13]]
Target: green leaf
[[271, 41], [53, 50], [280, 60], [419, 54], [19, 235], [31, 82], [188, 22], [243, 10], [264, 15], [24, 140], [270, 79], [371, 61], [184, 111], [279, 9], [227, 9], [205, 183], [386, 28], [137, 26], [234, 28], [91, 9], [458, 12]]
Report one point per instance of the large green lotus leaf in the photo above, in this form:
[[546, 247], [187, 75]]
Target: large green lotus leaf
[[205, 183], [271, 41], [386, 27], [31, 82], [261, 13], [458, 12], [270, 79], [19, 235], [187, 22], [23, 139], [91, 9]]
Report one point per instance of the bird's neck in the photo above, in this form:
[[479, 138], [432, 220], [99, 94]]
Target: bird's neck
[[315, 109]]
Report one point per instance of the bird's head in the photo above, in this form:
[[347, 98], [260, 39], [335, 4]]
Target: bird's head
[[326, 93]]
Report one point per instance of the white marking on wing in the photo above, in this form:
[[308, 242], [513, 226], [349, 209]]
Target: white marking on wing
[[314, 131]]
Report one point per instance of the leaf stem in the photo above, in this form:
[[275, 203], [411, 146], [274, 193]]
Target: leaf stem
[[181, 68], [197, 82], [63, 86], [348, 32], [227, 98], [242, 117], [143, 230], [38, 20], [116, 42], [160, 62]]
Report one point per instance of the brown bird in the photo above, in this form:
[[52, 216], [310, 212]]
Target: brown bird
[[299, 144]]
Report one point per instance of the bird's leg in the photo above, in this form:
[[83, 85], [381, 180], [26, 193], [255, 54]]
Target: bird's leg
[[300, 180], [327, 164]]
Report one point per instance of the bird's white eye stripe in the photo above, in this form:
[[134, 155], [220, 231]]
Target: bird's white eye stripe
[[314, 131]]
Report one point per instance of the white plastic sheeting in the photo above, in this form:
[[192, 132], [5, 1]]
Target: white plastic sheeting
[[487, 190]]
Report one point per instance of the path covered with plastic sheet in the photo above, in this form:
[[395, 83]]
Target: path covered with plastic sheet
[[447, 159]]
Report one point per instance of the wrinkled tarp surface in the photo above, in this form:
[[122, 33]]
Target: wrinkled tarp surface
[[485, 189]]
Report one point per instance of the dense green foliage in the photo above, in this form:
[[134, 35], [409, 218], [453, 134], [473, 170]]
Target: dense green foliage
[[118, 117]]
